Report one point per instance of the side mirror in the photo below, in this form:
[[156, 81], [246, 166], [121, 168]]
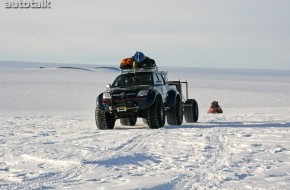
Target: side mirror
[[108, 86]]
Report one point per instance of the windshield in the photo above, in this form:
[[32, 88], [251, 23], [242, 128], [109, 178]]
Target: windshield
[[133, 79]]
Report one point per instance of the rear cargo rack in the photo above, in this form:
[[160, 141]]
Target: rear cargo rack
[[178, 85]]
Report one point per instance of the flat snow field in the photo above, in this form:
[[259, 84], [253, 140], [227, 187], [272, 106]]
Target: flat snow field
[[48, 137]]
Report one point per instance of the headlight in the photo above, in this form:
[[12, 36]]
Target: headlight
[[106, 95], [143, 93]]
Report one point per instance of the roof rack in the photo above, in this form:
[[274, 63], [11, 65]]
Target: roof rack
[[138, 70]]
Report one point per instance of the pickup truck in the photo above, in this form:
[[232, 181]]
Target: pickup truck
[[147, 94]]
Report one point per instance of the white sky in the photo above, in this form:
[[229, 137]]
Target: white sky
[[252, 34]]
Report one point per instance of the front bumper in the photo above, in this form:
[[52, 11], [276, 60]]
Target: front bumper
[[125, 104]]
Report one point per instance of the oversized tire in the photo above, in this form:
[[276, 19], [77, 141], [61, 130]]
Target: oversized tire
[[175, 114], [191, 111], [144, 120], [156, 115], [128, 121], [104, 120]]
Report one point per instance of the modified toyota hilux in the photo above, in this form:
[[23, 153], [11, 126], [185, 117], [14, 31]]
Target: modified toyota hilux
[[144, 93]]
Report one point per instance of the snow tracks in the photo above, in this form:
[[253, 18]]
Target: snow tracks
[[233, 152]]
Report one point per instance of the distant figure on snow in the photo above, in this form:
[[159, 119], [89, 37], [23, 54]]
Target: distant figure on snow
[[215, 108]]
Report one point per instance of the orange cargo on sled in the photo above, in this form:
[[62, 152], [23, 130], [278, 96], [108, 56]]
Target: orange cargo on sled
[[126, 63]]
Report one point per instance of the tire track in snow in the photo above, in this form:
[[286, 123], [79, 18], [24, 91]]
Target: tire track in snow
[[74, 173], [50, 177], [131, 153], [136, 142], [219, 160], [134, 145], [47, 180], [206, 176]]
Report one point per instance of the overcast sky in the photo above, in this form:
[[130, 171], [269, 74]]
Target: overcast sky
[[253, 34]]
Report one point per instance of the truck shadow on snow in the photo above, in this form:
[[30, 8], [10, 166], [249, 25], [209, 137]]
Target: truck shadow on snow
[[138, 126], [134, 159], [246, 124], [231, 124]]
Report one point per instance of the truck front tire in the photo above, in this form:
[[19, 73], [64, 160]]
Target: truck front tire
[[156, 115], [104, 120]]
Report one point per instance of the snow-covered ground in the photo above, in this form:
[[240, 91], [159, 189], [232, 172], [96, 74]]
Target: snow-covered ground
[[48, 138]]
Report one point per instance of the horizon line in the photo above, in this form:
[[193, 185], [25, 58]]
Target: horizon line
[[66, 63]]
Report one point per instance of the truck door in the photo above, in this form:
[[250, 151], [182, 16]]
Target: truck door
[[159, 84]]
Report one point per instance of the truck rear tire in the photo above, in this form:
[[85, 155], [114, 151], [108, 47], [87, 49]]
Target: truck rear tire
[[128, 121], [191, 111], [104, 120], [156, 115], [175, 114]]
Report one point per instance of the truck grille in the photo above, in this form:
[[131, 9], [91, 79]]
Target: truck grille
[[124, 95]]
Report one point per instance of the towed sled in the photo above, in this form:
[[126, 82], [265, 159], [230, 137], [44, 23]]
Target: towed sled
[[215, 108]]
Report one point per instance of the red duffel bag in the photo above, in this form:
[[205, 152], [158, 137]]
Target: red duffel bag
[[126, 63]]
